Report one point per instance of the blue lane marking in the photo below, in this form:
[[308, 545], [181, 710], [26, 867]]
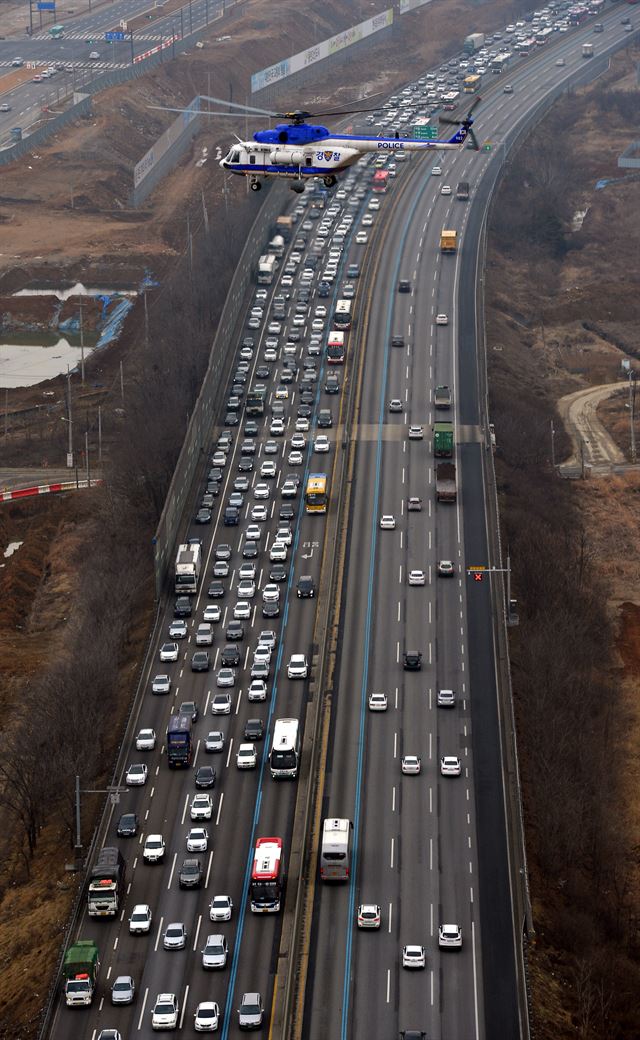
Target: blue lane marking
[[264, 758], [346, 988]]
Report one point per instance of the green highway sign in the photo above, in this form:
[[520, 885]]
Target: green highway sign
[[425, 133]]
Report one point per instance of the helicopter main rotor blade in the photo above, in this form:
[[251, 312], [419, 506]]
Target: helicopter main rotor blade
[[241, 108]]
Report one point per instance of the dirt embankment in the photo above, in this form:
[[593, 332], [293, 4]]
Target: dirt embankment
[[568, 320]]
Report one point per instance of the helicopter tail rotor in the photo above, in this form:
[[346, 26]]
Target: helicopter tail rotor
[[467, 123]]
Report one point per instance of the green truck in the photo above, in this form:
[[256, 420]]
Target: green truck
[[80, 972], [443, 440]]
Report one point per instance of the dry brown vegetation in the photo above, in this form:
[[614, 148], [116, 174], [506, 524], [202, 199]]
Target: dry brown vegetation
[[568, 319]]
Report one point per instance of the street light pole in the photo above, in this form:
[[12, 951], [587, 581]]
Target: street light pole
[[81, 345], [86, 455], [70, 422]]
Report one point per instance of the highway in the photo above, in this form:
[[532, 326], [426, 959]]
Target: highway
[[429, 849]]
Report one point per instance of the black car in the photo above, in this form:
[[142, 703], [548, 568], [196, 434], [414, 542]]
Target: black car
[[213, 488], [231, 419], [216, 590], [231, 516], [332, 385], [248, 341], [412, 660], [205, 777], [251, 428], [237, 390], [353, 271], [294, 336], [245, 465], [203, 516], [200, 661], [404, 285], [271, 610], [397, 341], [190, 875], [325, 419], [189, 708], [240, 376], [254, 729], [324, 289], [287, 511], [304, 411], [127, 825], [215, 473], [306, 587], [182, 606], [278, 572], [235, 631], [230, 656], [263, 372], [307, 397]]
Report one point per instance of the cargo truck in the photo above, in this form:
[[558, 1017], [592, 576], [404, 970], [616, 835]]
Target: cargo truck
[[442, 397], [462, 191], [443, 440], [446, 482], [266, 269], [106, 883], [284, 227], [587, 50], [448, 241], [80, 972], [276, 246], [473, 43], [255, 401], [188, 563]]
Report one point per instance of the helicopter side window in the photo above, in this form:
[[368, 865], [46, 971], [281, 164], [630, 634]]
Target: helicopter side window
[[308, 160]]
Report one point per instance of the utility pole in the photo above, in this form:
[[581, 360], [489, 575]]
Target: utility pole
[[553, 445], [86, 455], [190, 18], [6, 412], [131, 39], [122, 384], [81, 345], [70, 422], [99, 434], [146, 320], [181, 24], [632, 396]]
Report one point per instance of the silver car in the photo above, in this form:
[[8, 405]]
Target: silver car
[[123, 990], [175, 937], [215, 952]]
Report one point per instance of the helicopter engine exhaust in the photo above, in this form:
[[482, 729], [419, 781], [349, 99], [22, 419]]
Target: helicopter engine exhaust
[[288, 158]]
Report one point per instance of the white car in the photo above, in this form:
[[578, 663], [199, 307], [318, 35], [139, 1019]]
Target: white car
[[212, 613], [169, 652], [416, 577], [377, 702], [446, 699], [450, 765], [94, 56], [302, 424], [140, 920], [321, 444], [442, 319], [368, 915], [416, 433], [411, 765], [221, 702], [270, 354], [247, 588], [242, 610], [175, 936], [446, 569], [271, 593], [166, 1012], [298, 442], [220, 908], [277, 428], [445, 189], [262, 654], [320, 311], [268, 468], [178, 630], [284, 534], [450, 937], [153, 849], [362, 238], [207, 1017], [436, 171], [201, 807], [261, 491], [388, 522], [295, 458], [253, 532], [198, 839], [298, 667], [317, 325], [146, 740], [373, 204], [414, 957], [136, 775], [257, 690], [247, 756], [278, 552], [367, 220]]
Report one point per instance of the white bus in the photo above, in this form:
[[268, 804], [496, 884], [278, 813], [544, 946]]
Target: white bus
[[343, 316], [499, 63], [285, 751], [335, 853]]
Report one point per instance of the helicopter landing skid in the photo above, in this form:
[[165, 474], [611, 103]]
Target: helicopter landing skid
[[297, 186], [329, 181]]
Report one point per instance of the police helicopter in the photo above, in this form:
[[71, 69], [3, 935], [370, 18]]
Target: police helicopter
[[299, 150]]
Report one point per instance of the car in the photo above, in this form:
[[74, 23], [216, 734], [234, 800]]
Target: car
[[230, 656], [250, 550], [395, 405], [286, 512], [182, 607], [225, 678], [411, 765], [205, 777], [215, 952], [191, 874], [189, 708], [388, 522], [200, 661], [254, 730], [178, 630], [450, 937], [123, 990], [37, 78], [140, 919], [416, 433], [367, 220], [153, 849], [175, 936], [214, 740], [306, 587], [507, 89], [201, 807], [242, 610], [203, 516], [416, 577], [146, 740], [377, 702], [442, 319], [169, 652], [298, 667], [136, 775], [368, 915], [247, 757], [250, 1012], [165, 1012], [414, 504], [220, 908], [404, 285], [246, 588], [5, 107], [446, 569], [206, 1017], [446, 699], [414, 957], [270, 354], [127, 825], [268, 469], [94, 56], [278, 552], [235, 630], [221, 569], [204, 632], [450, 765], [245, 464], [412, 660], [321, 444], [215, 589]]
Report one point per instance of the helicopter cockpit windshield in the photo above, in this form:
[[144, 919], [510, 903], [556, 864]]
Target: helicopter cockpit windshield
[[233, 157]]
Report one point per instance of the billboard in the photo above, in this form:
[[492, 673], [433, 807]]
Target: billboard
[[162, 145], [410, 5], [320, 51]]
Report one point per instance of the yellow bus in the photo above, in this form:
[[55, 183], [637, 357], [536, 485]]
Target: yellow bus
[[471, 84], [315, 496]]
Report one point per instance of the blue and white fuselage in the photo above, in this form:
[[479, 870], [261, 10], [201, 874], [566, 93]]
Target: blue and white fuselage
[[305, 150]]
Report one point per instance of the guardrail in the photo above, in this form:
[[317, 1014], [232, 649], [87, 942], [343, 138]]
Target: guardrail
[[48, 489]]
